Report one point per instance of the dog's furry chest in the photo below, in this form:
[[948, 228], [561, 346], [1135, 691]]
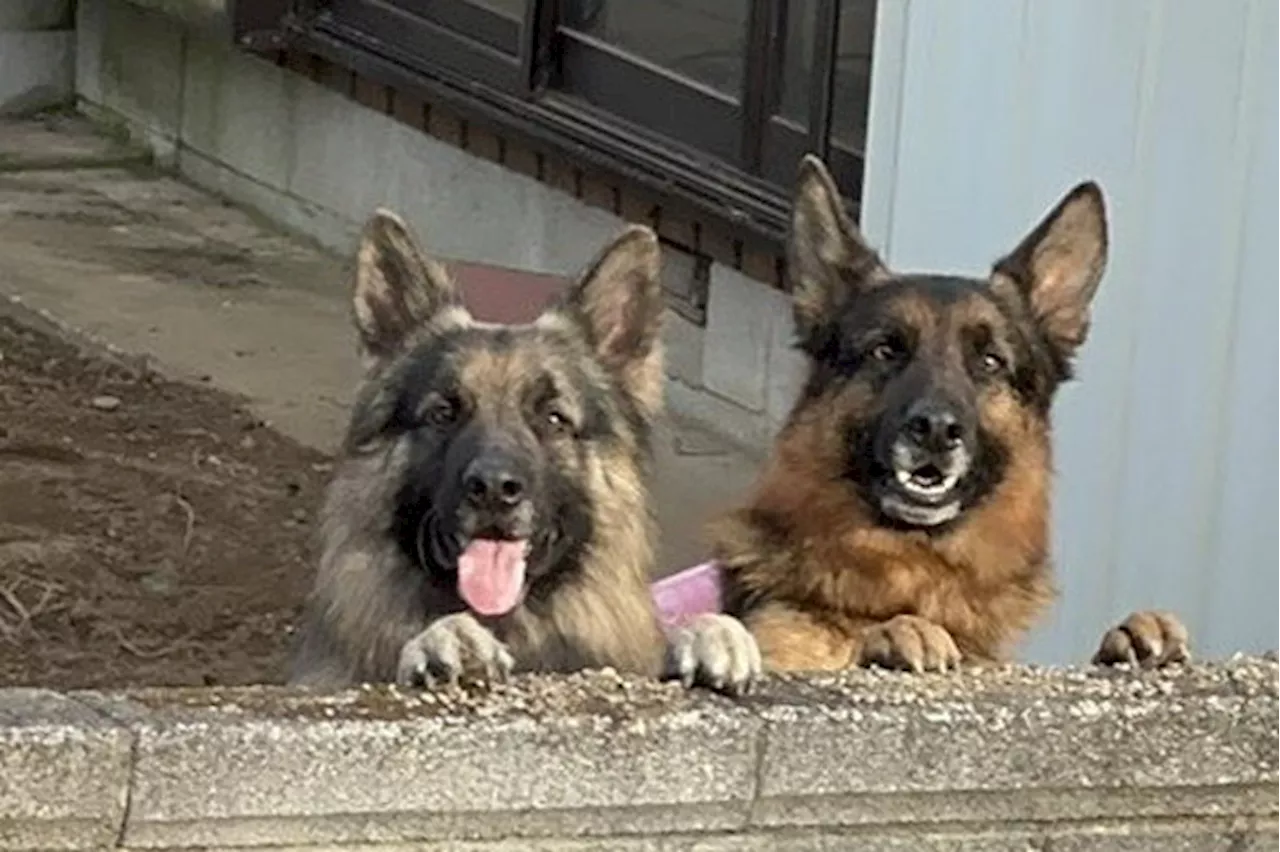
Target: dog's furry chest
[[851, 584]]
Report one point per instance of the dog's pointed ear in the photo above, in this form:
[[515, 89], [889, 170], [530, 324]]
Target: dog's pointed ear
[[1058, 266], [397, 287], [827, 259], [618, 304]]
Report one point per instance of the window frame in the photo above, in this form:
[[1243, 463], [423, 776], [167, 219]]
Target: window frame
[[733, 162]]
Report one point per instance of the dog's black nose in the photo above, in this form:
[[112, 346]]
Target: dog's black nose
[[934, 426], [493, 482]]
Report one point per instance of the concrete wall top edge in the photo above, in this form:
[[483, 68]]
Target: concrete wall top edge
[[598, 754]]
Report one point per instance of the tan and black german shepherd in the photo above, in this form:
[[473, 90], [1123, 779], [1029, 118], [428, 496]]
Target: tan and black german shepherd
[[490, 510], [903, 519]]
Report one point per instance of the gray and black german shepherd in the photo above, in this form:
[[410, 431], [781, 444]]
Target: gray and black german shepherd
[[490, 510]]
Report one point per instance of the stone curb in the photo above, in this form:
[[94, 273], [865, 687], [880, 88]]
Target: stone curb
[[1006, 758], [64, 773]]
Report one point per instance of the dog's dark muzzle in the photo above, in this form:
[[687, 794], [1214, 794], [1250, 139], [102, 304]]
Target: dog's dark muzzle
[[497, 493], [926, 456], [935, 429]]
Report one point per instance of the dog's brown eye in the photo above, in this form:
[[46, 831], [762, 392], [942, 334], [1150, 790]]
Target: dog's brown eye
[[558, 422], [992, 362], [439, 411], [885, 352]]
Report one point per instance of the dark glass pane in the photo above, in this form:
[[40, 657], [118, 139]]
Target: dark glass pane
[[495, 23], [797, 56], [852, 72], [655, 101], [702, 40], [513, 9]]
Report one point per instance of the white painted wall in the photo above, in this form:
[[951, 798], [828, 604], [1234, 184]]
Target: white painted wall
[[983, 113]]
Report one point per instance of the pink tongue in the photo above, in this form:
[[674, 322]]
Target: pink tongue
[[491, 575]]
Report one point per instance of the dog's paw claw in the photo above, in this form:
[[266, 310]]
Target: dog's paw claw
[[910, 643], [718, 652], [1146, 639], [451, 647]]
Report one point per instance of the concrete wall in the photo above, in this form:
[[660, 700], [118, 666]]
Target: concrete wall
[[983, 114], [37, 54], [1001, 761], [318, 162]]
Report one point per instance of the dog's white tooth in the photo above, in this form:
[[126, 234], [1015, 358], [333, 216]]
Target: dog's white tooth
[[903, 476]]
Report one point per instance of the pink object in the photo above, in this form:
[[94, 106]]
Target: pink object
[[692, 592]]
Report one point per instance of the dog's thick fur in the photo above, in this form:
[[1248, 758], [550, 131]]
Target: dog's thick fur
[[828, 564], [570, 399]]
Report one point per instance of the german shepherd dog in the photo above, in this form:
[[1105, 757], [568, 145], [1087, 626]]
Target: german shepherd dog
[[903, 519], [489, 512]]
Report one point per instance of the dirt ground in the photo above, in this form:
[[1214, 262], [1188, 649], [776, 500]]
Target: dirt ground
[[150, 531]]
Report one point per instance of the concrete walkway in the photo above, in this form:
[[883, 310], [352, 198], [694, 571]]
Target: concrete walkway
[[93, 238]]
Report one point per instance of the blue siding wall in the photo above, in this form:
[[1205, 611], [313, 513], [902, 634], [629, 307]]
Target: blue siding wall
[[983, 113]]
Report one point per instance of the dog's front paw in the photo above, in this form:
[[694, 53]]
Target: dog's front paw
[[715, 651], [910, 643], [1148, 639], [451, 647]]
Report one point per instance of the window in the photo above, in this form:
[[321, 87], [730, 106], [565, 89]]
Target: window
[[714, 101]]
